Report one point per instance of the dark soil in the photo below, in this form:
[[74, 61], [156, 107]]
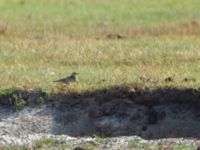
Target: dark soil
[[158, 113]]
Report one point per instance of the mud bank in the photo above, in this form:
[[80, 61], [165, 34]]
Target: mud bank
[[150, 114]]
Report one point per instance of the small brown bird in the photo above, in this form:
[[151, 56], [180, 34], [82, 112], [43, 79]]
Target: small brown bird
[[70, 79]]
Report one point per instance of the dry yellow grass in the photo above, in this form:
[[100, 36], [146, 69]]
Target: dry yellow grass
[[51, 40]]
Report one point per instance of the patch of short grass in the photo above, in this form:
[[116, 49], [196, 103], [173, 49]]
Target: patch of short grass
[[48, 40], [137, 144], [87, 145], [155, 58], [8, 91], [14, 148], [183, 147], [78, 16], [134, 143], [101, 140], [49, 143]]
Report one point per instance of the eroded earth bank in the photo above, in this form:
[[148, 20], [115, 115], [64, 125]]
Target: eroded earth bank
[[26, 116]]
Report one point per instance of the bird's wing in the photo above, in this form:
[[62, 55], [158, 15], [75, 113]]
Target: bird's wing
[[62, 80]]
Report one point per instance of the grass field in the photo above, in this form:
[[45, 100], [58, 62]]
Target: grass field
[[43, 40]]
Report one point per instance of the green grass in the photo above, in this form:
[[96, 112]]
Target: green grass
[[137, 144], [19, 104], [88, 145], [184, 147], [134, 144], [101, 140], [76, 13], [42, 144], [8, 91], [46, 40], [114, 61], [49, 143]]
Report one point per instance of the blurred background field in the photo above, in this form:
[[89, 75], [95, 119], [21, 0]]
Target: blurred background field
[[109, 43]]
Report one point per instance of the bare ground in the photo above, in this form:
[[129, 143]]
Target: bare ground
[[118, 111]]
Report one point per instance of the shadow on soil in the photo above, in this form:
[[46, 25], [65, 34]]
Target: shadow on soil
[[118, 111]]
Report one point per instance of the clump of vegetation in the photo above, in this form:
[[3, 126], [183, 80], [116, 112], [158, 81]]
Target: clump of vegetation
[[183, 147], [101, 140], [49, 143], [134, 143], [15, 148], [88, 145], [6, 92], [19, 104]]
